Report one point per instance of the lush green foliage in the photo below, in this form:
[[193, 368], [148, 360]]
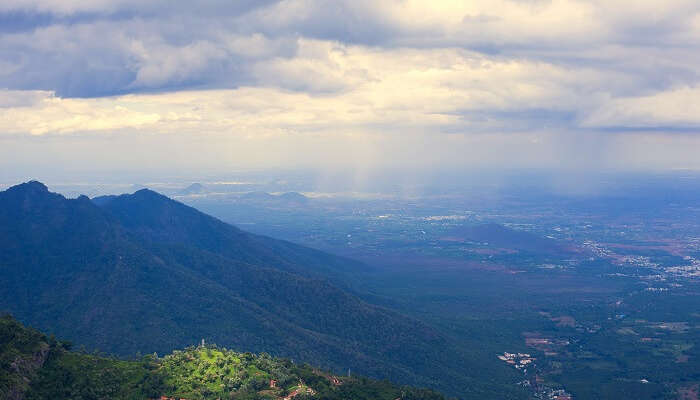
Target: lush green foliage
[[202, 372], [213, 372], [21, 354], [69, 375]]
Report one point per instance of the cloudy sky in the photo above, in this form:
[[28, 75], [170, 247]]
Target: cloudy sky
[[118, 85]]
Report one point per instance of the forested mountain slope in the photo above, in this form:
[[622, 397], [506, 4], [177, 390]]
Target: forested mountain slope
[[143, 273]]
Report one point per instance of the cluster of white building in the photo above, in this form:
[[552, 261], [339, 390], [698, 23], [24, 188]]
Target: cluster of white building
[[518, 360]]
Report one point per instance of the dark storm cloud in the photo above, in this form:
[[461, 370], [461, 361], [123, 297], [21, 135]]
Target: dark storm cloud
[[501, 66], [88, 52], [101, 48]]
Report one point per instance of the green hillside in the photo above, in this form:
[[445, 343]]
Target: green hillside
[[202, 372]]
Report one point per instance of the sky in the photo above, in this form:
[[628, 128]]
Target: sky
[[116, 86]]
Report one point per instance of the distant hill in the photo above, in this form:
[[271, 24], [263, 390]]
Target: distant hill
[[293, 197], [34, 366], [284, 198], [195, 188], [262, 196], [143, 273], [503, 237]]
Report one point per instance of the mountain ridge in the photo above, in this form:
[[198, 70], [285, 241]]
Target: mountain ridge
[[145, 273]]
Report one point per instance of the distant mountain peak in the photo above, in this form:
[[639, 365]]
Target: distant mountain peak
[[141, 196], [29, 187], [151, 198], [296, 196], [289, 197], [148, 192], [194, 188], [258, 195], [30, 194]]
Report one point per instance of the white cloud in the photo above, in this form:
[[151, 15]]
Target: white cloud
[[42, 113], [672, 110], [431, 74], [379, 91], [331, 87]]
